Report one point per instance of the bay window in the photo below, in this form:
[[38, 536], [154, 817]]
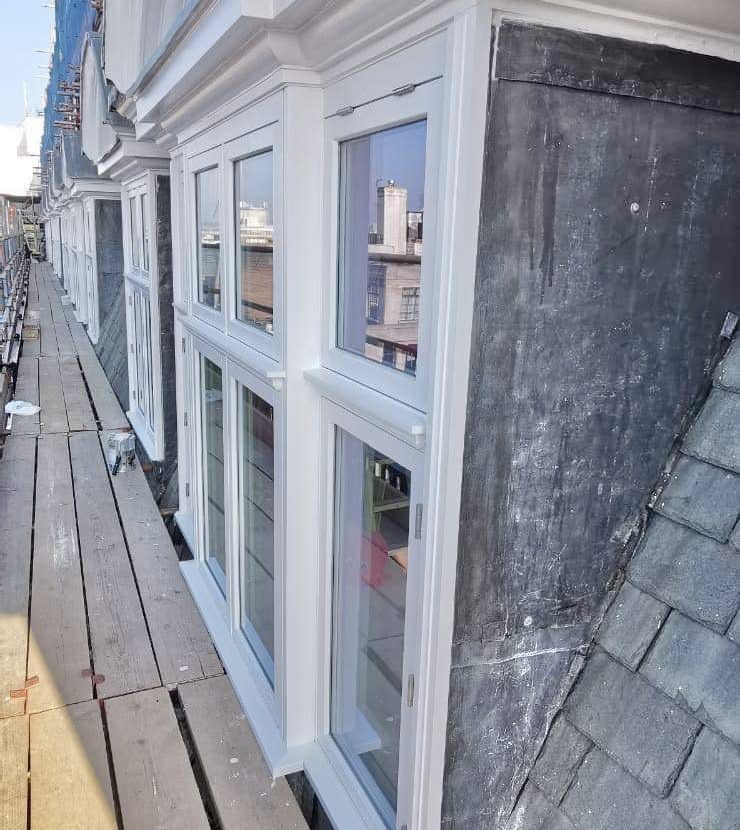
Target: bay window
[[317, 282]]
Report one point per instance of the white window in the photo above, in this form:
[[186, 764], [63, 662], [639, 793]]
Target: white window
[[208, 236], [382, 256], [142, 306], [377, 562], [233, 352]]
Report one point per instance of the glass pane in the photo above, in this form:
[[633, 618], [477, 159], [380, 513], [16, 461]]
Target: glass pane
[[145, 232], [134, 231], [257, 527], [371, 546], [380, 244], [213, 470], [207, 207], [254, 223]]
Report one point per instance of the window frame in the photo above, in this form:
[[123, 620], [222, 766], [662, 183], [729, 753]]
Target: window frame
[[206, 160], [423, 103], [227, 607], [333, 417], [149, 424], [262, 139]]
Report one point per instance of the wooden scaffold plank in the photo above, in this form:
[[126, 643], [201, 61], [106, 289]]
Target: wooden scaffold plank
[[58, 650], [13, 773], [70, 779], [181, 642], [17, 469], [122, 653], [244, 793], [79, 412], [53, 413], [156, 785]]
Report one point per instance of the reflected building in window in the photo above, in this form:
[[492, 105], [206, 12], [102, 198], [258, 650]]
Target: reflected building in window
[[394, 280]]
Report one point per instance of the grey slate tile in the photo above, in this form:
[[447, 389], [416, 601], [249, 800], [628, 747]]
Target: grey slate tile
[[606, 797], [561, 756], [534, 812], [715, 436], [707, 793], [631, 721], [735, 537], [631, 625], [691, 572], [700, 669], [733, 632], [704, 497], [728, 371]]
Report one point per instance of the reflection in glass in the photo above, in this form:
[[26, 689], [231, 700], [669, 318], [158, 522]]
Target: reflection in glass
[[254, 239], [371, 545], [133, 216], [207, 207], [144, 232], [380, 244], [257, 527], [213, 469]]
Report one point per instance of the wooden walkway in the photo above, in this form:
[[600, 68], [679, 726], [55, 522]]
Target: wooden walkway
[[114, 708]]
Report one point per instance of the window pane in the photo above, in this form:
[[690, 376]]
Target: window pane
[[213, 472], [380, 244], [134, 231], [371, 545], [144, 233], [254, 223], [207, 207], [257, 527]]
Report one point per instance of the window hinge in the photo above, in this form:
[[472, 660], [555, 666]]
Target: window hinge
[[345, 110], [185, 419], [183, 345], [410, 690], [130, 300], [187, 489], [404, 90], [419, 521]]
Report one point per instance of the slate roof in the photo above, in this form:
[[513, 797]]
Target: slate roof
[[648, 737], [77, 165]]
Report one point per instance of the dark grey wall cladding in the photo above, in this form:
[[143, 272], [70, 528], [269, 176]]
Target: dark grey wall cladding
[[609, 243], [111, 346], [163, 476]]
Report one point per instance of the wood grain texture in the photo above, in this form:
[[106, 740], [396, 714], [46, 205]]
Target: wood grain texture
[[70, 779], [122, 652], [53, 413], [109, 411], [13, 773], [27, 389], [156, 786], [244, 792], [58, 651], [79, 412], [181, 642], [16, 522]]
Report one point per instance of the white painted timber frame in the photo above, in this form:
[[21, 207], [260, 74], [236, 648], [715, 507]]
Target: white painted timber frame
[[142, 300], [313, 386]]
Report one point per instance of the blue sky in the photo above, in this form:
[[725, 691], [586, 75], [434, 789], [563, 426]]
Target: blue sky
[[25, 26]]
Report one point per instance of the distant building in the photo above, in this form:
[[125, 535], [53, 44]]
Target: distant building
[[392, 200], [19, 156]]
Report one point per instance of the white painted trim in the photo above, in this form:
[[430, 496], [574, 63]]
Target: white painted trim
[[400, 420]]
